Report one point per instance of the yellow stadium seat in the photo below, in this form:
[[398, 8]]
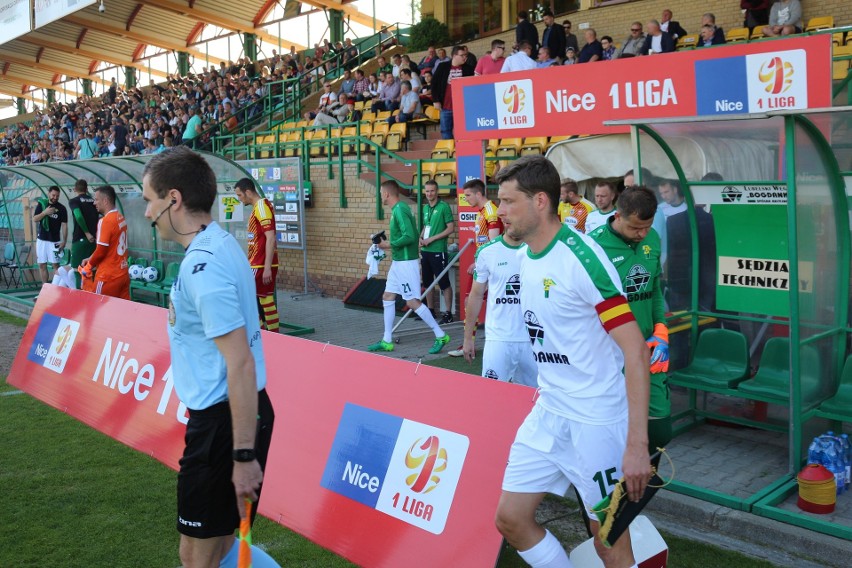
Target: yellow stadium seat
[[737, 34], [359, 106], [333, 136], [293, 145], [820, 23], [555, 139], [445, 174], [444, 149], [348, 134], [380, 131], [432, 113], [509, 148], [366, 130], [491, 145], [837, 38], [318, 146], [689, 41], [756, 33], [383, 115], [534, 145], [839, 69], [368, 116], [397, 136], [303, 124], [428, 171]]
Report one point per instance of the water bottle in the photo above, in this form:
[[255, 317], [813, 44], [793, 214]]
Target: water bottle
[[847, 457], [834, 464], [815, 451]]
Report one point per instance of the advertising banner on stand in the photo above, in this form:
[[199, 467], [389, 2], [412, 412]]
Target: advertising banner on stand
[[377, 459], [469, 165], [15, 19], [736, 78]]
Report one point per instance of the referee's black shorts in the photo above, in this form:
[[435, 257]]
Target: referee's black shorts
[[431, 265], [207, 502]]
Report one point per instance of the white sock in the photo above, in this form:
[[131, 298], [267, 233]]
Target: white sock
[[429, 320], [548, 553], [390, 313]]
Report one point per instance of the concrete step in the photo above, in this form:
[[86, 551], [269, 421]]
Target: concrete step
[[421, 145]]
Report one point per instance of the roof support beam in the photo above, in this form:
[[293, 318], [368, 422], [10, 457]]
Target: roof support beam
[[17, 60], [350, 11], [112, 58], [159, 41], [39, 84], [24, 94]]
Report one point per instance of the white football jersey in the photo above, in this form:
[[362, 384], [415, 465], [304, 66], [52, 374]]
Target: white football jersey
[[498, 264]]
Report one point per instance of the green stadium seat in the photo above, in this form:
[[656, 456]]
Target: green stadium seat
[[771, 383], [720, 361], [839, 407]]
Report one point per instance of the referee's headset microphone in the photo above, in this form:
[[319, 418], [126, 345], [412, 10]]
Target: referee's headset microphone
[[161, 213]]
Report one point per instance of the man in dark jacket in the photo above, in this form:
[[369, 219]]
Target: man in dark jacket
[[656, 40], [553, 36], [442, 94], [526, 31], [671, 27]]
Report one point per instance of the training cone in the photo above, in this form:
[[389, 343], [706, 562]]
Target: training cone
[[649, 548], [817, 489]]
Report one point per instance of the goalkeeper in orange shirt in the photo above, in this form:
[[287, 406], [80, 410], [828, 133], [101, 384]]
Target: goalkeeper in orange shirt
[[105, 272], [634, 248]]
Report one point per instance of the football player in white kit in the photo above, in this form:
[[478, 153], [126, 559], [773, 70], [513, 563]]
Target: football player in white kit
[[589, 425], [507, 355]]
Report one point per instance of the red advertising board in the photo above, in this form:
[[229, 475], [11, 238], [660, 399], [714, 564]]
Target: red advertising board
[[737, 78], [383, 461]]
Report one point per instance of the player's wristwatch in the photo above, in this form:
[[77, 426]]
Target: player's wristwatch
[[244, 455]]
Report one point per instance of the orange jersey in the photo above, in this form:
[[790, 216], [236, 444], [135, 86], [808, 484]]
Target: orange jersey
[[110, 256], [262, 220], [486, 220]]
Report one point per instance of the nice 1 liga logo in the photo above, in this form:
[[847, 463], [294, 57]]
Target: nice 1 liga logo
[[430, 459], [776, 75], [513, 98]]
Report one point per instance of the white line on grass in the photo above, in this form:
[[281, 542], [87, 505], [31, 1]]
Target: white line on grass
[[10, 393]]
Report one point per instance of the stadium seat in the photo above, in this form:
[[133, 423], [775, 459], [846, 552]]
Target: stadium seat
[[397, 136], [383, 116], [737, 34], [534, 145], [720, 361], [689, 41], [820, 23], [264, 147], [431, 116], [368, 117], [771, 383], [445, 174], [491, 145], [292, 144], [380, 131], [319, 145], [358, 106], [348, 134], [428, 170], [444, 149], [838, 38], [509, 148], [756, 33], [303, 124], [839, 69], [839, 407], [333, 145]]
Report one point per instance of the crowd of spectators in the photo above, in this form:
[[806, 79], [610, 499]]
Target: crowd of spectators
[[183, 110]]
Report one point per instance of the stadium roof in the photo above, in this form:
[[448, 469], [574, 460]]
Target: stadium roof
[[129, 33]]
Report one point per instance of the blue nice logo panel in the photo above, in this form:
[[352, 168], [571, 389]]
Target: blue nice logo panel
[[469, 167], [481, 107], [53, 342], [721, 86], [361, 453], [43, 339]]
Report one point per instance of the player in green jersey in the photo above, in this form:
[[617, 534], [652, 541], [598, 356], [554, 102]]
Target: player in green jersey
[[634, 248]]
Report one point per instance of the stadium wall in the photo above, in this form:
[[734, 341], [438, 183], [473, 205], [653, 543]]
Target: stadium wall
[[337, 238]]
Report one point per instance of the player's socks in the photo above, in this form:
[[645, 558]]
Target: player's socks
[[389, 307], [270, 312], [259, 558], [548, 553], [427, 317]]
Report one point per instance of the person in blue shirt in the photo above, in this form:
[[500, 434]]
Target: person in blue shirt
[[212, 319]]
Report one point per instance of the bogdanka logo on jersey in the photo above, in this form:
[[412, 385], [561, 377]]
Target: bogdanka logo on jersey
[[513, 290], [754, 83], [53, 342], [536, 333], [636, 283], [500, 106], [405, 469]]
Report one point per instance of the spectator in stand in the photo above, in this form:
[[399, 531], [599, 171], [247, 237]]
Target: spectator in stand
[[373, 88], [708, 36], [656, 40], [593, 50], [671, 27], [411, 77], [709, 19], [361, 86], [785, 18], [390, 96], [525, 32], [756, 13], [426, 88], [570, 56], [336, 112], [553, 35], [406, 62], [492, 63], [119, 137], [570, 39], [520, 61], [409, 106], [609, 51], [397, 61], [442, 94], [442, 58], [544, 59], [327, 98], [469, 57], [384, 66], [347, 84], [428, 61], [350, 53]]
